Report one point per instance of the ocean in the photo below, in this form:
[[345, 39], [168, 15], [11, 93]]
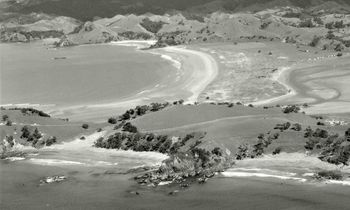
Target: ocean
[[33, 74]]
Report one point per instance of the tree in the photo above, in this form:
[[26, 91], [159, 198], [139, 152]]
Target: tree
[[128, 127], [314, 42], [5, 117], [25, 132], [112, 120], [36, 134], [217, 151], [50, 141]]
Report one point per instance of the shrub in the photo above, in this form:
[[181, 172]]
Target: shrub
[[25, 132], [151, 26], [277, 151], [50, 141], [291, 109], [314, 42], [217, 151], [85, 126], [112, 120], [333, 175], [10, 140], [320, 133], [5, 117], [37, 134], [128, 127], [8, 123], [296, 127], [307, 24]]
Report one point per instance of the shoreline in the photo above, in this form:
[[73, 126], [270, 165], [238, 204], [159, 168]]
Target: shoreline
[[281, 77], [195, 71]]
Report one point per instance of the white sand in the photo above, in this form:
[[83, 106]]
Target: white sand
[[194, 72]]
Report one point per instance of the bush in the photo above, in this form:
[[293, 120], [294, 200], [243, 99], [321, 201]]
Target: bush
[[25, 132], [307, 24], [112, 120], [314, 42], [291, 109], [152, 26], [277, 151], [296, 127], [50, 141], [128, 127], [8, 123], [333, 175], [217, 151], [85, 126], [5, 117]]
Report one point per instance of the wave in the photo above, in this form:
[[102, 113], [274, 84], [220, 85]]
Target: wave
[[261, 175], [26, 105], [49, 162], [345, 182], [177, 64], [12, 159]]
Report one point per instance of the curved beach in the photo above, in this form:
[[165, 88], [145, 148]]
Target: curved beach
[[194, 71]]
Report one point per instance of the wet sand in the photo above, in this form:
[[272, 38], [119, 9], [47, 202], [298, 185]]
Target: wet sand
[[324, 85]]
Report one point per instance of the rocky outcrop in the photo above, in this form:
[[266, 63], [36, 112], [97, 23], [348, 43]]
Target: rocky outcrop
[[185, 168]]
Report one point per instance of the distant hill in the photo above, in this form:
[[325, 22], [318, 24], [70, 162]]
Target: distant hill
[[88, 9]]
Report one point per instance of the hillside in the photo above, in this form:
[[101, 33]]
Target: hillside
[[88, 9], [283, 24], [198, 139]]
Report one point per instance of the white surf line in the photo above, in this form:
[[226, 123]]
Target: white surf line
[[204, 75], [261, 175]]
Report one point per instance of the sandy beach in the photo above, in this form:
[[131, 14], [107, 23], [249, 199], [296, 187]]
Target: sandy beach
[[195, 70]]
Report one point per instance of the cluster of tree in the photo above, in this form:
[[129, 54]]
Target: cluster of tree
[[31, 111], [152, 26], [325, 174], [128, 127], [333, 148], [142, 110], [170, 39], [257, 149], [335, 25], [147, 142], [264, 25], [131, 35], [291, 109], [282, 127], [36, 137], [307, 23], [5, 118]]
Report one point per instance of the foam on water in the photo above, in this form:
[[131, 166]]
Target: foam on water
[[261, 175], [49, 162], [12, 159]]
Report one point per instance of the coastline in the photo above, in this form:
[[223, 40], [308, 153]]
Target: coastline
[[281, 77], [195, 70]]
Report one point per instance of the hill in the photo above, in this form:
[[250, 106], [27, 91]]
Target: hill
[[88, 9]]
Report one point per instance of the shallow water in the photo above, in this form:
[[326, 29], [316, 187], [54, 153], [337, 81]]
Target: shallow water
[[325, 86]]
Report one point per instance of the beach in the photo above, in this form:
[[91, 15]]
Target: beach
[[180, 73]]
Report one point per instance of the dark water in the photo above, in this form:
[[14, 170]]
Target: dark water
[[99, 188]]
